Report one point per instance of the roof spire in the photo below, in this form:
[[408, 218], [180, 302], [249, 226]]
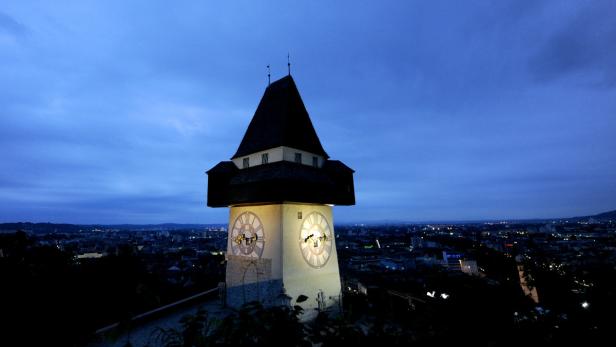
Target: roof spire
[[269, 73], [281, 119], [289, 63]]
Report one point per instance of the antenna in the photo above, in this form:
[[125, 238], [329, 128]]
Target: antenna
[[269, 73], [289, 63]]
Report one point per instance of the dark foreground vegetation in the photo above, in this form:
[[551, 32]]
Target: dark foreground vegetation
[[48, 297]]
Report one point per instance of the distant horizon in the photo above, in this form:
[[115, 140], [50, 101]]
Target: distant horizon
[[372, 222]]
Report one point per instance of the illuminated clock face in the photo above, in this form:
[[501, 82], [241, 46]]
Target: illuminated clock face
[[247, 237], [315, 240]]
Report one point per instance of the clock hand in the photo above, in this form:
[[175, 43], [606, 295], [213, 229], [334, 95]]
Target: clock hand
[[250, 240], [308, 237], [239, 239]]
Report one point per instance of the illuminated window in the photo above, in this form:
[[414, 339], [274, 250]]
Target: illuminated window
[[315, 161], [298, 158], [246, 162], [264, 158]]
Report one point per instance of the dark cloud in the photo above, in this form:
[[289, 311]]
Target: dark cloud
[[582, 44], [11, 26]]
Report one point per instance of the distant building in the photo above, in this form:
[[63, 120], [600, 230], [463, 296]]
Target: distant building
[[391, 265], [469, 267], [416, 242], [527, 288], [90, 255]]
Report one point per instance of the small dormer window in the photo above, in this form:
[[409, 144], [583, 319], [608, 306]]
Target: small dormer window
[[264, 158], [315, 161], [246, 163], [298, 158]]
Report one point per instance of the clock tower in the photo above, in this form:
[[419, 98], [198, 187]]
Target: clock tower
[[280, 186]]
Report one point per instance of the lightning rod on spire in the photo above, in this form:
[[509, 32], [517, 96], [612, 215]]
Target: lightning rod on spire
[[289, 63]]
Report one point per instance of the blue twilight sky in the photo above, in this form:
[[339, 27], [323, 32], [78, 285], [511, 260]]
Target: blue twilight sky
[[111, 111]]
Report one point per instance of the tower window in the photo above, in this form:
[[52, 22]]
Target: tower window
[[299, 215], [264, 158], [246, 163], [298, 158], [315, 161]]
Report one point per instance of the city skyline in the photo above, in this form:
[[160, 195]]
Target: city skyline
[[111, 113]]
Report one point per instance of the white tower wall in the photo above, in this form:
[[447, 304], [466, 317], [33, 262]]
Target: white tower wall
[[281, 263]]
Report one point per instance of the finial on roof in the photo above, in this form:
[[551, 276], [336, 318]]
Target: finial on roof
[[289, 63], [269, 74]]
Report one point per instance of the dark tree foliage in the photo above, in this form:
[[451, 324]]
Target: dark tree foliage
[[48, 298], [566, 320], [252, 325]]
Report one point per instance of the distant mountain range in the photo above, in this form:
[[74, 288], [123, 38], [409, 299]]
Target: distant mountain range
[[602, 217]]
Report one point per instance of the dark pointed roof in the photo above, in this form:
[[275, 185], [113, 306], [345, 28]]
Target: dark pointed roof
[[281, 119]]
